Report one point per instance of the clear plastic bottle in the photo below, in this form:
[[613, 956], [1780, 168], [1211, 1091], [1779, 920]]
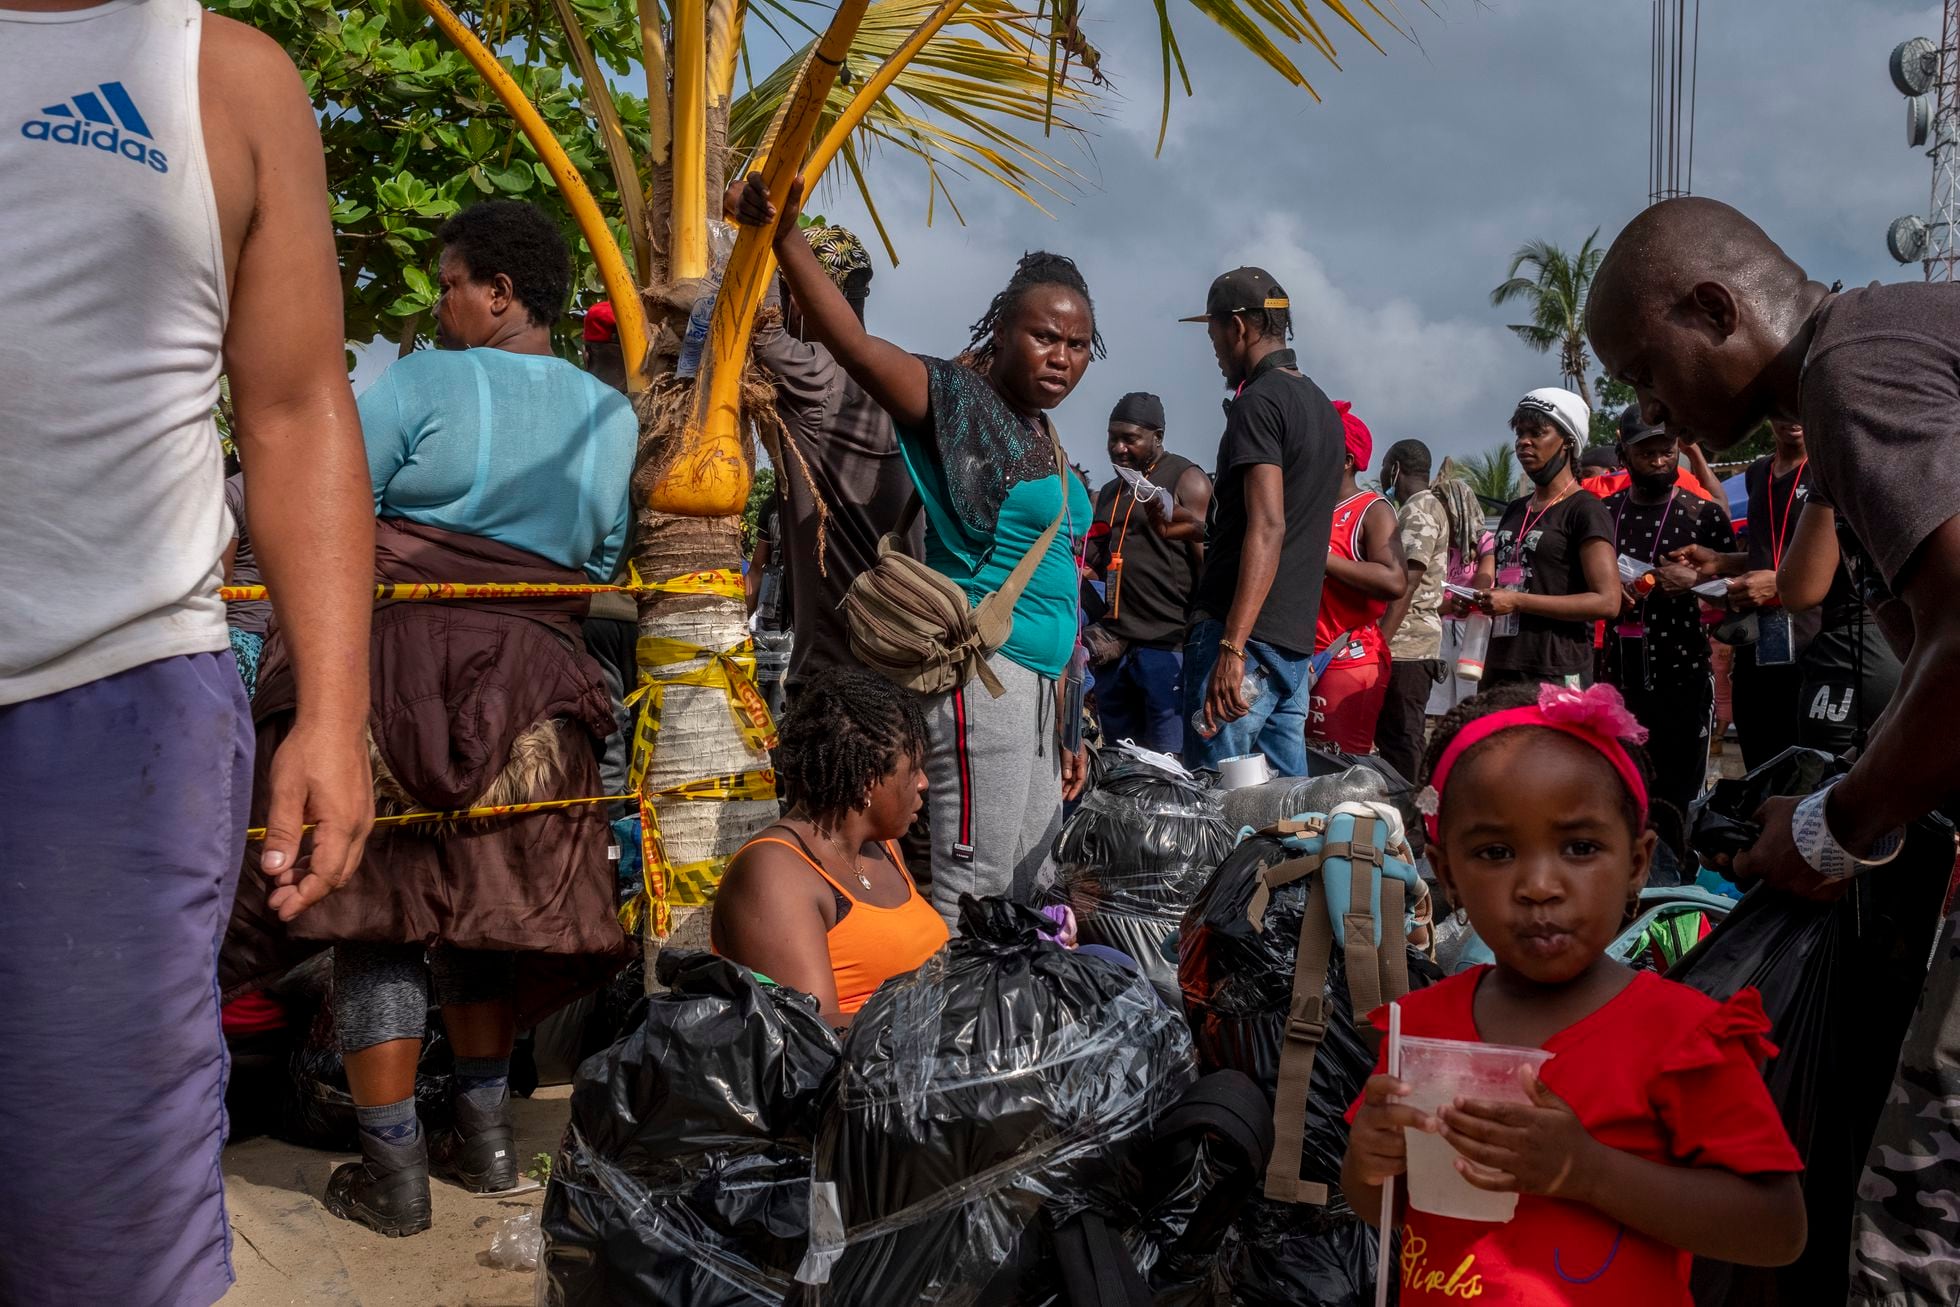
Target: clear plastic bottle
[[1475, 648], [721, 242], [1250, 689]]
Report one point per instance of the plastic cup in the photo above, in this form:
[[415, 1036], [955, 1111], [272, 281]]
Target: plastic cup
[[1438, 1072]]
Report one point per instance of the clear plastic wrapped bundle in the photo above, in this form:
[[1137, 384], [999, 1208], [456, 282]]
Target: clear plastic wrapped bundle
[[1134, 856], [1334, 779], [685, 1176], [988, 1099]]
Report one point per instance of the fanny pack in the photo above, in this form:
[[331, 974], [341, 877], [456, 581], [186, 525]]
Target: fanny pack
[[914, 626]]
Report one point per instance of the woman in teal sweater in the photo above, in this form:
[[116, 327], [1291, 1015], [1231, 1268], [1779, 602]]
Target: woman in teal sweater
[[973, 435]]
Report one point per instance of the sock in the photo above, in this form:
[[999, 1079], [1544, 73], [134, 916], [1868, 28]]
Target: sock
[[391, 1134], [482, 1093]]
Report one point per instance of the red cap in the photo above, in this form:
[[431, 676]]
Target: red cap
[[1360, 441], [600, 324]]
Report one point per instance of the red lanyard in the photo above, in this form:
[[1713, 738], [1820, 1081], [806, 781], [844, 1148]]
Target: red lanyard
[[1517, 546], [1653, 550], [1777, 537]]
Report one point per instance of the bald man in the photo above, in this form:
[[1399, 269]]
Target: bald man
[[1717, 329]]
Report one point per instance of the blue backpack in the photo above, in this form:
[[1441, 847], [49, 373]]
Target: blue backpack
[[1364, 880]]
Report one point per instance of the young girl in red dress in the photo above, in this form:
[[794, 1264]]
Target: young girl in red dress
[[1649, 1138]]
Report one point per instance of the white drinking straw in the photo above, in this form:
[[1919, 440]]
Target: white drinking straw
[[1382, 1267]]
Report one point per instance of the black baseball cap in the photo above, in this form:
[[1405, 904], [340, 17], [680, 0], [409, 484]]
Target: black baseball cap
[[1242, 290], [1634, 429]]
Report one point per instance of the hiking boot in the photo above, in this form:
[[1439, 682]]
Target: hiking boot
[[483, 1163], [394, 1203]]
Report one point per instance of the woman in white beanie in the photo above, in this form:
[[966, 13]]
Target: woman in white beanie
[[1552, 571]]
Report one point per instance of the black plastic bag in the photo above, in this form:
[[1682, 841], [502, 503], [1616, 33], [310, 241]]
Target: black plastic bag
[[1134, 856], [999, 1091], [1238, 988], [1839, 982], [685, 1176]]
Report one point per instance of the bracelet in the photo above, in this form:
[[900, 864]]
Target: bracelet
[[1226, 646], [1828, 858]]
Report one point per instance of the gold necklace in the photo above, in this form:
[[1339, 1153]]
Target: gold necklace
[[856, 859]]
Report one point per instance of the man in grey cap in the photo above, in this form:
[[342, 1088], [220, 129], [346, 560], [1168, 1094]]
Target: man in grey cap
[[1147, 542], [1246, 656]]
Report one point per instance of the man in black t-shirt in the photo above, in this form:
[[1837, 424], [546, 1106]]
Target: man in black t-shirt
[[1656, 651], [1551, 574], [1716, 328], [1279, 468], [1148, 558]]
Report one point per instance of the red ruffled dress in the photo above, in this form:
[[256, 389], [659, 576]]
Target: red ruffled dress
[[1661, 1071]]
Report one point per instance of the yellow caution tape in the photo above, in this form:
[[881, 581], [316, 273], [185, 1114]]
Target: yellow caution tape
[[721, 583], [665, 884], [470, 814], [732, 671]]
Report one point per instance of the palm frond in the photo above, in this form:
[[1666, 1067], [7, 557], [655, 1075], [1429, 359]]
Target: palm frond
[[960, 107]]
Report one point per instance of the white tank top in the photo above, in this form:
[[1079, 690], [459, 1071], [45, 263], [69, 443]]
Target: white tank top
[[112, 515]]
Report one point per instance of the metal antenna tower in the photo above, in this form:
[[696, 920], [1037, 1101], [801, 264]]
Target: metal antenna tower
[[1672, 83], [1929, 77]]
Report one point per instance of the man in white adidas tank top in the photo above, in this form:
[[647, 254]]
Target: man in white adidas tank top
[[163, 218]]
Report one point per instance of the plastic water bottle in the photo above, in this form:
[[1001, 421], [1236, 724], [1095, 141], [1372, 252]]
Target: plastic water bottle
[[1476, 646], [696, 339], [721, 243], [1250, 689]]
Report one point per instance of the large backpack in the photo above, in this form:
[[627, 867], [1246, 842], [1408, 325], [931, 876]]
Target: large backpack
[[915, 627]]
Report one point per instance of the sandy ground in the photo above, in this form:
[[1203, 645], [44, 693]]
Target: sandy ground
[[286, 1249]]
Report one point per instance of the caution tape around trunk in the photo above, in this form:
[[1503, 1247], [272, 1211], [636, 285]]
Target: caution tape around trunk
[[666, 885], [722, 583], [731, 670]]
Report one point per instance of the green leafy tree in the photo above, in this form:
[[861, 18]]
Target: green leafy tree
[[1555, 293], [1613, 398], [1493, 474]]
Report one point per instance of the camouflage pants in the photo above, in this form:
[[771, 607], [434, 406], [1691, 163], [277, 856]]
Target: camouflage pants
[[1906, 1232]]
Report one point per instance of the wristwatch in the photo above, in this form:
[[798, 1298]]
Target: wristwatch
[[1828, 858]]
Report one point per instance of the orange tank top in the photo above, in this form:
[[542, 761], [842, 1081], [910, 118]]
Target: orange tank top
[[872, 944]]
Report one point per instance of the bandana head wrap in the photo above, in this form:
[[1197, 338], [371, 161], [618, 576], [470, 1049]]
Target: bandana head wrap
[[1597, 716]]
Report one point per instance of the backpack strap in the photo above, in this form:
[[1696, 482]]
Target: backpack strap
[[894, 539], [1306, 1027], [1009, 594]]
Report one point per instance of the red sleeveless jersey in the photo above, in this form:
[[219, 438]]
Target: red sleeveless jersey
[[1342, 608]]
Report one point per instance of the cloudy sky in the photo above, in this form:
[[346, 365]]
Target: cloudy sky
[[1390, 210]]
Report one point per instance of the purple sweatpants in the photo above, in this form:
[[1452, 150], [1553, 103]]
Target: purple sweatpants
[[123, 806]]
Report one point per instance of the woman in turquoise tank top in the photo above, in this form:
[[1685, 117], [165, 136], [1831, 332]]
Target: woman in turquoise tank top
[[973, 435]]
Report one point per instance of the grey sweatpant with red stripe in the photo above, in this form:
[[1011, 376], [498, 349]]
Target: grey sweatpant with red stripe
[[995, 775]]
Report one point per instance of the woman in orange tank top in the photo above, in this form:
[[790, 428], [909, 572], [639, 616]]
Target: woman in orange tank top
[[821, 901]]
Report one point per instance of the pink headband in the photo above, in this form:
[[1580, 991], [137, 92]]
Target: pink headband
[[1597, 715]]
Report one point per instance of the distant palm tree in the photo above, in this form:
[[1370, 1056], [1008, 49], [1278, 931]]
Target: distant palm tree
[[1493, 474], [1556, 293]]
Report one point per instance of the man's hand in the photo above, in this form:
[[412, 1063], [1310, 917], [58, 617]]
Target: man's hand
[[1538, 1147], [747, 202], [319, 777], [1075, 773], [1224, 701], [1752, 590], [1498, 603], [1376, 1145], [1706, 562], [1679, 578], [1775, 860]]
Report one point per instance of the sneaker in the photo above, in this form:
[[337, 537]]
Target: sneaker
[[394, 1203], [483, 1163]]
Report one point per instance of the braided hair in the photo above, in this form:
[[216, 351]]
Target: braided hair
[[1037, 269], [846, 732]]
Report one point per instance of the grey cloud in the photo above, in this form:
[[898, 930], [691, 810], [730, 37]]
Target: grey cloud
[[1390, 209]]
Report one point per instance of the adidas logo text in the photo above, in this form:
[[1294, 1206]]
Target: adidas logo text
[[105, 119]]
